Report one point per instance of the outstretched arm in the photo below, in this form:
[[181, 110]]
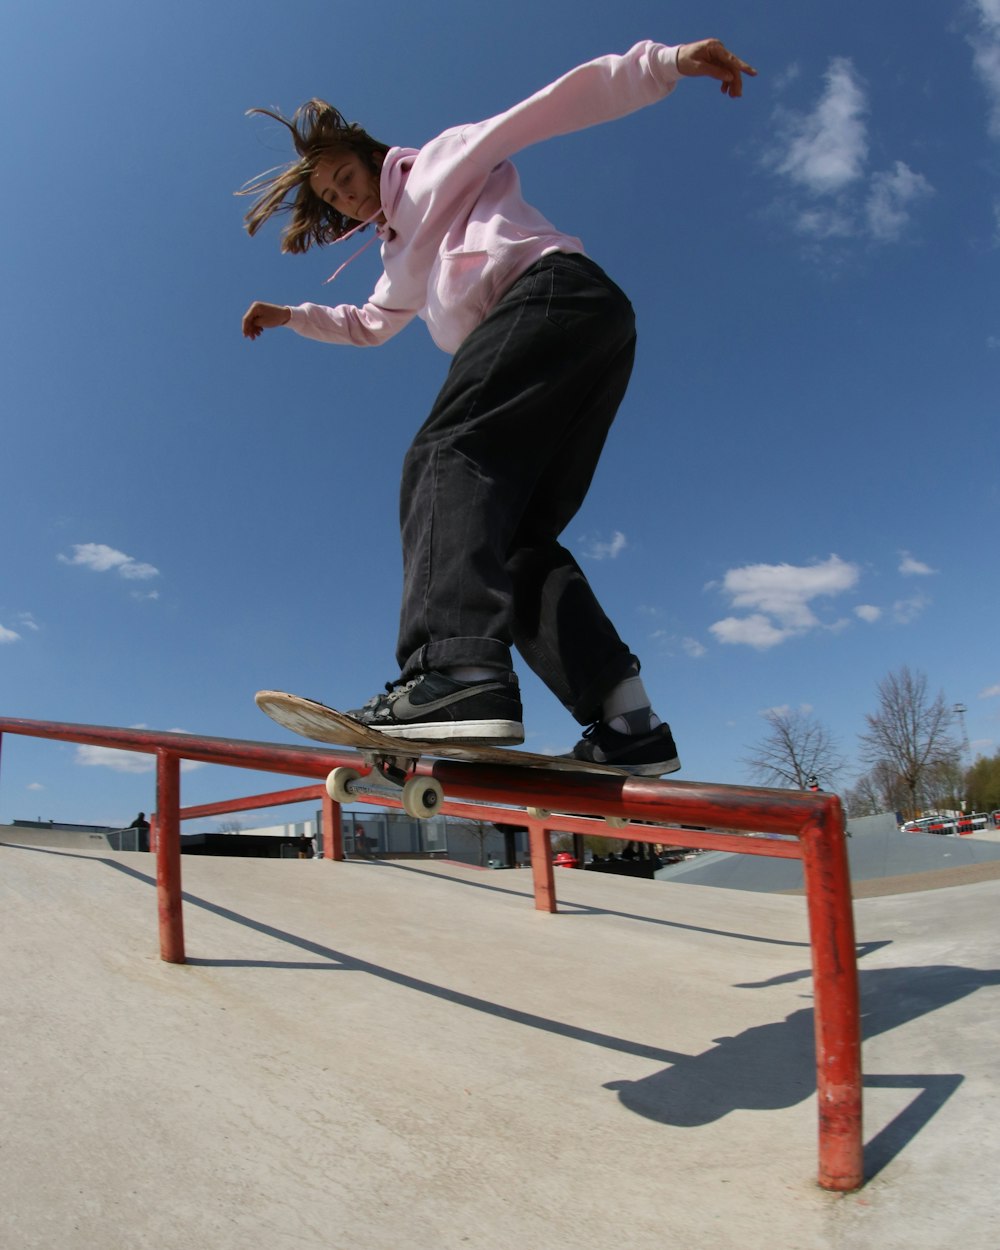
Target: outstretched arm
[[708, 58], [360, 327]]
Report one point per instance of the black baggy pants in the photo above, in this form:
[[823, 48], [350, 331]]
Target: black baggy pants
[[498, 471]]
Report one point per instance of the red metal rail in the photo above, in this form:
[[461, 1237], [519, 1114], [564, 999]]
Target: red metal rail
[[799, 825]]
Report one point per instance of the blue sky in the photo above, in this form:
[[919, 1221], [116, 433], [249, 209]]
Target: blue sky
[[800, 494]]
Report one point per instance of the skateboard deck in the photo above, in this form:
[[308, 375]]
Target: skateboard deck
[[325, 724], [392, 761]]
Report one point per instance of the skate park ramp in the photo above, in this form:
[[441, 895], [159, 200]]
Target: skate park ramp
[[882, 859], [377, 1055]]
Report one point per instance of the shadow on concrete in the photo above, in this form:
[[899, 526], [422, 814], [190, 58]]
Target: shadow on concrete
[[570, 909], [699, 1089]]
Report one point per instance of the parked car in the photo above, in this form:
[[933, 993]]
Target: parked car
[[930, 824]]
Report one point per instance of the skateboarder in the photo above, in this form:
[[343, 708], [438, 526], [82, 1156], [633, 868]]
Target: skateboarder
[[543, 344]]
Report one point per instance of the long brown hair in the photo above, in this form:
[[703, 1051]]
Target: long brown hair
[[318, 130]]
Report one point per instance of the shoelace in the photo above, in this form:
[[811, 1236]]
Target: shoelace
[[393, 689]]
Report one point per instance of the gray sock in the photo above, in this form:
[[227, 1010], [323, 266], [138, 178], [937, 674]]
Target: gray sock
[[627, 710]]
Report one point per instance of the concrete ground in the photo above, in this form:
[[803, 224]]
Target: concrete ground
[[369, 1056]]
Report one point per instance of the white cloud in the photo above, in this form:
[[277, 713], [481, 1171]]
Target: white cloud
[[824, 154], [909, 567], [134, 571], [118, 761], [599, 550], [778, 598], [35, 785], [693, 647], [125, 761], [824, 223], [991, 692], [24, 621], [905, 611], [826, 149], [787, 76], [100, 559], [751, 631], [868, 612], [889, 199], [784, 590], [985, 46], [785, 709]]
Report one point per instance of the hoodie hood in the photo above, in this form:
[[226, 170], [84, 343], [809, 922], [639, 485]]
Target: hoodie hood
[[395, 169]]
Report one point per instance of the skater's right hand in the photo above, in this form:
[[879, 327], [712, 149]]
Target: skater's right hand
[[260, 317], [708, 58]]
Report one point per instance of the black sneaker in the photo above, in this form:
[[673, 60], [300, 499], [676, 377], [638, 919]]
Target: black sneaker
[[439, 708], [643, 755]]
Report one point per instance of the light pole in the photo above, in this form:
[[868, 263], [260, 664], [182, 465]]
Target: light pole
[[960, 709]]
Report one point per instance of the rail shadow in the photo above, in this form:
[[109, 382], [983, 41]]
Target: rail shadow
[[569, 909]]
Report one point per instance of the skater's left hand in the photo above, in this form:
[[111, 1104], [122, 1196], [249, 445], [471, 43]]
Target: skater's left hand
[[261, 316], [708, 58]]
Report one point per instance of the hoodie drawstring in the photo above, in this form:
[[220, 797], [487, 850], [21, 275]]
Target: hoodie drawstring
[[360, 226]]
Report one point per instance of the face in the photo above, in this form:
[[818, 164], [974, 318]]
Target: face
[[347, 184]]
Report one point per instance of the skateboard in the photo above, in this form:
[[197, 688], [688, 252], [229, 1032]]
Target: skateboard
[[392, 761]]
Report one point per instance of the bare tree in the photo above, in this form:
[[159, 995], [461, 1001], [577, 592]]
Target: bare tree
[[910, 734], [878, 790], [864, 797], [796, 748]]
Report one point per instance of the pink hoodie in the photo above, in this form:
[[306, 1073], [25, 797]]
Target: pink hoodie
[[458, 233]]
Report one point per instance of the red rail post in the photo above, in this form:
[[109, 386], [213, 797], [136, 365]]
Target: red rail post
[[540, 845], [837, 1009], [333, 829], [168, 856]]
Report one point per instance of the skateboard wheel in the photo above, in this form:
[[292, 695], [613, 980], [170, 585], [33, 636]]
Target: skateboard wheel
[[338, 784], [422, 797], [539, 813]]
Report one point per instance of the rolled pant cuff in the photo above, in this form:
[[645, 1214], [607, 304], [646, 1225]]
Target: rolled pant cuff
[[482, 652]]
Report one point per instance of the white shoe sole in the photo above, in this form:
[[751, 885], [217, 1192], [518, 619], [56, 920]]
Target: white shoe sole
[[469, 732]]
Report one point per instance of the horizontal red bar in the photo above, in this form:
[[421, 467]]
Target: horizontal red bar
[[277, 798]]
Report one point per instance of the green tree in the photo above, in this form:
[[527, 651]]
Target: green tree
[[982, 784], [944, 787]]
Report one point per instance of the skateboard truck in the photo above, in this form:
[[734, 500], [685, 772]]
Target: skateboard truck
[[390, 776]]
